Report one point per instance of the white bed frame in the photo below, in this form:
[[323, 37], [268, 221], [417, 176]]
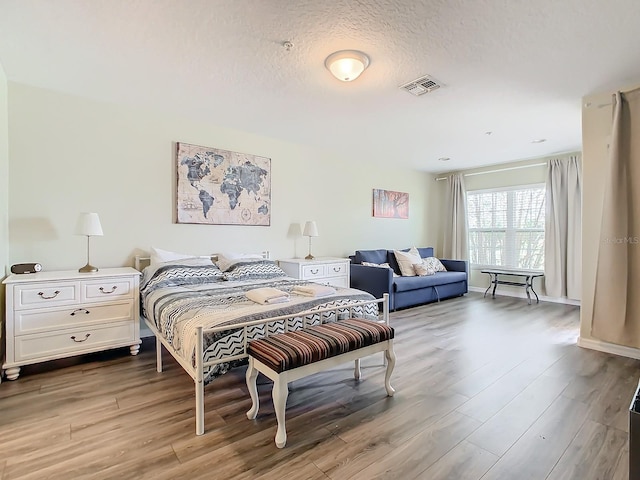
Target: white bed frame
[[197, 372]]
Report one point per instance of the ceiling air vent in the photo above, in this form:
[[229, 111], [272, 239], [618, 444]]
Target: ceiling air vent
[[422, 85]]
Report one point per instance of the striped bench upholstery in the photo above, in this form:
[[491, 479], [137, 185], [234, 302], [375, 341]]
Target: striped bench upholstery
[[290, 350], [286, 357]]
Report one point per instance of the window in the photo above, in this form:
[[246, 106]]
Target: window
[[506, 227]]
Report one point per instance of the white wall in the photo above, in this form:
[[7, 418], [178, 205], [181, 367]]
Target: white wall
[[4, 197], [4, 174], [68, 154]]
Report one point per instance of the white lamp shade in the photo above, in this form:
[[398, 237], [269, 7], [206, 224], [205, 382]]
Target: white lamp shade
[[347, 65], [89, 224], [310, 229]]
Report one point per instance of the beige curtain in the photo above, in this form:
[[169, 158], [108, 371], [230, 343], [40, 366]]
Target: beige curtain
[[563, 228], [616, 307], [455, 212]]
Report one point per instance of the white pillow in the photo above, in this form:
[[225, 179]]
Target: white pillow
[[160, 256], [422, 269], [434, 264], [406, 260], [226, 260]]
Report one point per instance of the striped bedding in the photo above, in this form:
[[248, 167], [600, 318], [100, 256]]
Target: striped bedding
[[179, 298]]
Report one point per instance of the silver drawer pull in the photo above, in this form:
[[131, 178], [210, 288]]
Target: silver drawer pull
[[113, 289], [80, 310], [336, 269], [55, 294], [315, 272], [73, 337]]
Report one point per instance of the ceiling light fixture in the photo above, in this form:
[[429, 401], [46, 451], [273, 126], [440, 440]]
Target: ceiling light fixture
[[347, 65]]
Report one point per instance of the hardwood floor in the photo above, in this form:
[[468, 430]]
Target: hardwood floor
[[485, 389]]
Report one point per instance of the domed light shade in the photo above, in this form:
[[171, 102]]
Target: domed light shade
[[347, 65]]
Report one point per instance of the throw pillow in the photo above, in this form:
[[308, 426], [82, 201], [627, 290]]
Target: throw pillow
[[434, 263], [406, 260], [252, 269], [161, 256], [371, 264], [379, 265], [226, 260], [422, 269]]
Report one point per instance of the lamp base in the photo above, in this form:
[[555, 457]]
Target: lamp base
[[309, 257], [88, 269]]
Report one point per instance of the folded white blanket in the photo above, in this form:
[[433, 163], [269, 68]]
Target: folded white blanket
[[267, 295], [314, 290]]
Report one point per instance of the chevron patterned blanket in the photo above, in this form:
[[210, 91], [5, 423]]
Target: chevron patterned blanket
[[178, 307]]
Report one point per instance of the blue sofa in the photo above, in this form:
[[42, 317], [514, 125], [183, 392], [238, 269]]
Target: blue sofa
[[407, 291]]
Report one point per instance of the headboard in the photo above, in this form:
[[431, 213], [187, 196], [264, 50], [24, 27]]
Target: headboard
[[141, 261]]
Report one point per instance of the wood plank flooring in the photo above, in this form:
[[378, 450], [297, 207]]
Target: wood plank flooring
[[486, 389]]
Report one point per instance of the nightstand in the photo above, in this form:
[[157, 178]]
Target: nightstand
[[328, 270], [54, 315]]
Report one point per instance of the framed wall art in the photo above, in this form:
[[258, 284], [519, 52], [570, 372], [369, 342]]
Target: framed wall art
[[220, 187], [390, 204]]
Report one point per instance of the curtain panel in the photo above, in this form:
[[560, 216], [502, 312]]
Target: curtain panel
[[616, 307], [456, 230], [563, 228]]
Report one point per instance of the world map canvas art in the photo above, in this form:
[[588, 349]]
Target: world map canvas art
[[220, 187]]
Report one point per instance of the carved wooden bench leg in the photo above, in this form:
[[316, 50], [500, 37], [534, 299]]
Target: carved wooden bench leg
[[390, 356], [252, 375], [280, 393]]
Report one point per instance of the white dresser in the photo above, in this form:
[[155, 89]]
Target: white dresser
[[60, 314], [327, 270]]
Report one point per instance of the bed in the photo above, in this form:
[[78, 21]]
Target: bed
[[201, 314]]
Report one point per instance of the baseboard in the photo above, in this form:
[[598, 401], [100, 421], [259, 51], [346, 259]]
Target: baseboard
[[607, 347], [543, 298]]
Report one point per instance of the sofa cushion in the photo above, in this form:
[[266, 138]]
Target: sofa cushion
[[406, 260], [422, 269], [425, 252], [371, 256], [403, 284], [434, 264]]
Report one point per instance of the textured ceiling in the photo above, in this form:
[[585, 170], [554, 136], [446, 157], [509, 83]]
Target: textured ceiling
[[515, 68]]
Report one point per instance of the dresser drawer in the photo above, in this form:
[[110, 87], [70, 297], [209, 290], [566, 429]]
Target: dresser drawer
[[310, 272], [106, 290], [338, 281], [77, 340], [336, 269], [39, 295], [41, 320]]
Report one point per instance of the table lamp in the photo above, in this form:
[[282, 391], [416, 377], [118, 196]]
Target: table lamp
[[89, 225], [310, 230]]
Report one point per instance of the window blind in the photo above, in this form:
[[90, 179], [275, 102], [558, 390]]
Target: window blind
[[506, 227]]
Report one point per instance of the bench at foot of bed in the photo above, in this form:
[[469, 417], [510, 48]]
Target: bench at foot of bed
[[290, 356]]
